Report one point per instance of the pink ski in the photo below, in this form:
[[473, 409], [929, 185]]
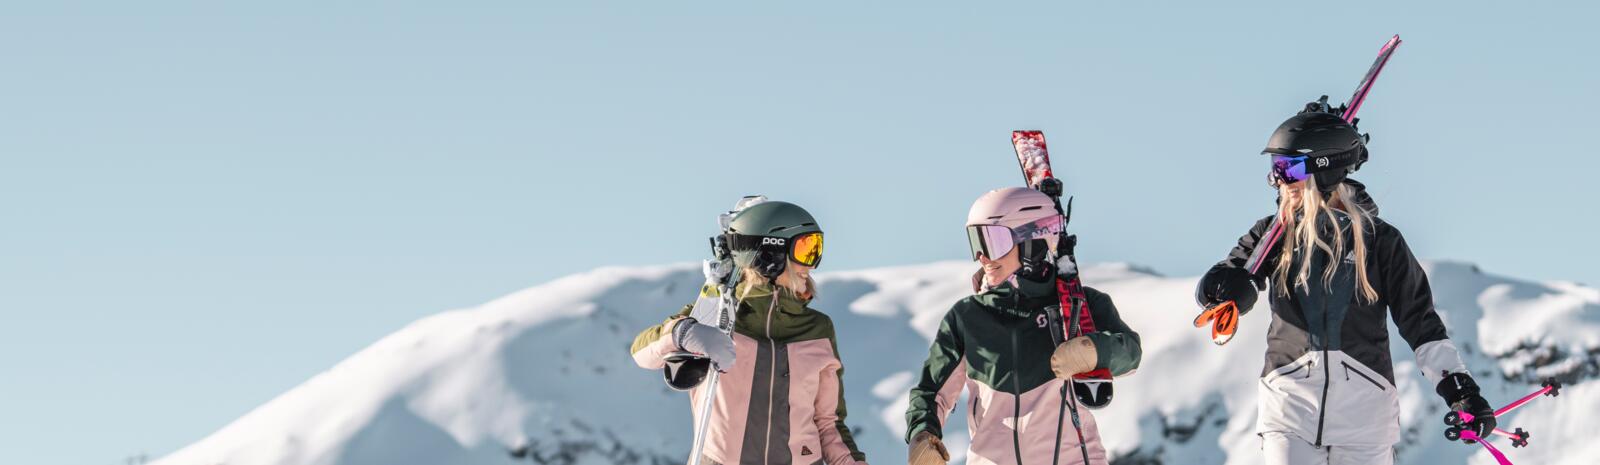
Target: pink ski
[[1372, 75], [1033, 155]]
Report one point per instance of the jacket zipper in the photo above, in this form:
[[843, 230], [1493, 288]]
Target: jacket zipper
[[1348, 369], [1296, 369], [772, 379], [1327, 374], [1016, 387]]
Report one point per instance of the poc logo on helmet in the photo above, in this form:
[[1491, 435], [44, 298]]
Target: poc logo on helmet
[[772, 241]]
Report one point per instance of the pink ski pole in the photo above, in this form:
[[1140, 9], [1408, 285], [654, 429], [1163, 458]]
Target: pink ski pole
[[1471, 436]]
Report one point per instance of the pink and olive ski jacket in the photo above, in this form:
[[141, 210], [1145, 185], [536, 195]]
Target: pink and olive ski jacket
[[996, 346], [782, 403]]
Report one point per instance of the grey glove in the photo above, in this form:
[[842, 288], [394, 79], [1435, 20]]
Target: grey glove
[[705, 341]]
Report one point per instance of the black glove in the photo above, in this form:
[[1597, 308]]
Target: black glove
[[1222, 284], [1461, 392]]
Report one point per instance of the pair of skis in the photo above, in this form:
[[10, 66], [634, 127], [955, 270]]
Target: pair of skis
[[1224, 317], [1457, 420]]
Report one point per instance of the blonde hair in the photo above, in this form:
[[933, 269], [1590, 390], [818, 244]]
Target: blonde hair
[[1301, 230], [803, 288]]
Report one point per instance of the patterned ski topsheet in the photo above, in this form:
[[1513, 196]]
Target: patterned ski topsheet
[[1372, 75], [1270, 240], [1032, 155]]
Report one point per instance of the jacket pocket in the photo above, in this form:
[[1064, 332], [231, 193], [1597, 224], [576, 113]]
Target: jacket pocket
[[1350, 369], [1297, 368]]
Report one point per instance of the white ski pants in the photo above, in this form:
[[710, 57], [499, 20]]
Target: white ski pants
[[1288, 449]]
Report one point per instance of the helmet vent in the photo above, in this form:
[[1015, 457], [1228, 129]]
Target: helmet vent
[[1031, 208]]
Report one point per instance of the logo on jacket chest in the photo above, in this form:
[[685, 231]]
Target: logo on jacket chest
[[1042, 320]]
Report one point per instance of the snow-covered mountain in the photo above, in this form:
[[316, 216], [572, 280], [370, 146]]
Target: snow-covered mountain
[[543, 375]]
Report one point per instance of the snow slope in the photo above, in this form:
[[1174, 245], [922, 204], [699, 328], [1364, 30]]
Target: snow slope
[[543, 375]]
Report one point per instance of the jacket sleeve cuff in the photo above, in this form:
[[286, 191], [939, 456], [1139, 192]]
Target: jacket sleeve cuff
[[1438, 359]]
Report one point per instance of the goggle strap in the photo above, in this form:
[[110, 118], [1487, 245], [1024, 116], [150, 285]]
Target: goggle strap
[[743, 242]]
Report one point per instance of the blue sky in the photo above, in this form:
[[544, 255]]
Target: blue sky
[[204, 204]]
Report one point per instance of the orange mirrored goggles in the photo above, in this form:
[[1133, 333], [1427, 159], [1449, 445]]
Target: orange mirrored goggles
[[806, 249]]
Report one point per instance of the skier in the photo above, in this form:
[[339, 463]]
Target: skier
[[1327, 392], [993, 344], [780, 397]]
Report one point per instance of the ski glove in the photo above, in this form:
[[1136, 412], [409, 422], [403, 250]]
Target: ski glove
[[927, 449], [1223, 284], [1461, 392], [1077, 355], [706, 341]]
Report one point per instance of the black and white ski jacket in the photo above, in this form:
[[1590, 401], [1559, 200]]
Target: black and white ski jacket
[[1328, 376]]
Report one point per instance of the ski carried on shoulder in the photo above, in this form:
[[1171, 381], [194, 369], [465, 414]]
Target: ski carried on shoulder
[[1224, 317], [1092, 389], [715, 306]]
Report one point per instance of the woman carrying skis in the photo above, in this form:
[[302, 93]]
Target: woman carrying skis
[[993, 345], [780, 396], [1327, 392]]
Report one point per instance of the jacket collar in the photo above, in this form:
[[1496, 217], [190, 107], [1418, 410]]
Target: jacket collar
[[1019, 297], [759, 296]]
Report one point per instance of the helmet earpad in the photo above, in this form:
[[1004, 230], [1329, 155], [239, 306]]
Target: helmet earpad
[[1327, 181], [1034, 254], [770, 262]]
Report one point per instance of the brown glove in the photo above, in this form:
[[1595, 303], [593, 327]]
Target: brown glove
[[1077, 355], [927, 449]]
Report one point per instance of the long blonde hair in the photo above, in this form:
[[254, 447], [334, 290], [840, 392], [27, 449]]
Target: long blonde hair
[[788, 281], [1301, 230]]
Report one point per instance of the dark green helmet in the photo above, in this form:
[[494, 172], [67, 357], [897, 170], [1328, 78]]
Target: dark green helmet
[[763, 236]]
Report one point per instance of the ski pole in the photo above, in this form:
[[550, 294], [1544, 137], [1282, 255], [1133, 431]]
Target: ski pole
[[1550, 386], [1471, 436], [696, 451], [1077, 426]]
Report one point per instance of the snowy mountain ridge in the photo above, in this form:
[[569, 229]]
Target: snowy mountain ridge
[[543, 375]]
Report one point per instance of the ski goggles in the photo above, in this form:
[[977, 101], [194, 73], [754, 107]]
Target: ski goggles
[[1287, 169], [805, 249], [995, 241], [1293, 168]]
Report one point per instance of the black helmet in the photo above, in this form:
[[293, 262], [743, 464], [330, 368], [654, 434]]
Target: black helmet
[[1334, 148]]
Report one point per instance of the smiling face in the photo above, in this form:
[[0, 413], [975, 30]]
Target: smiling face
[[1290, 194], [996, 271], [797, 278]]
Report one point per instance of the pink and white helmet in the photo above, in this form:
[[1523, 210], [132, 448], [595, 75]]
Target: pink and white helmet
[[1001, 218]]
